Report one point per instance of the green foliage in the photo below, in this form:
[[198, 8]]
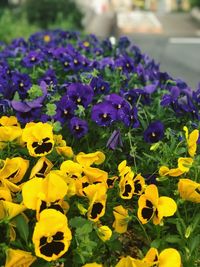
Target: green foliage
[[46, 12], [195, 3]]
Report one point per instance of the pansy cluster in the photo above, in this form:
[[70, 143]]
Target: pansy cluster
[[124, 189], [50, 196]]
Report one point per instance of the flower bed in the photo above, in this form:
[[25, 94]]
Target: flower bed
[[99, 156]]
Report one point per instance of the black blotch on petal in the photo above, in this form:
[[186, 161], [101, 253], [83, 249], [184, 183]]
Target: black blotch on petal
[[58, 236], [147, 213], [43, 241], [127, 190], [52, 248], [138, 186], [44, 147], [96, 209]]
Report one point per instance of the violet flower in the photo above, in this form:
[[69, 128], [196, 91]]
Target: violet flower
[[154, 132]]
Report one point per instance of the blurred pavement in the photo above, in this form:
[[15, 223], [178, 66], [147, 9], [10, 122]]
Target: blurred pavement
[[172, 39]]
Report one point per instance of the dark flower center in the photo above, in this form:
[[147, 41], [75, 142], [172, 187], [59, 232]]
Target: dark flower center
[[43, 146], [147, 212], [52, 245], [96, 209]]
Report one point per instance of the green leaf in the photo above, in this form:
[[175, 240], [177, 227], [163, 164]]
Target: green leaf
[[85, 229], [22, 227], [77, 222], [35, 91], [51, 109], [16, 96], [156, 243], [173, 239], [57, 126]]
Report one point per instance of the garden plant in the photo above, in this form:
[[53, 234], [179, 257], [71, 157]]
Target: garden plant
[[99, 156]]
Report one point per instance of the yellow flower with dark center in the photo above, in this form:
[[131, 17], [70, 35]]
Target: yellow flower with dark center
[[123, 168], [191, 140], [151, 206], [51, 236], [189, 190], [81, 183], [39, 194], [96, 193], [61, 147], [71, 169], [139, 184], [38, 138], [95, 175], [14, 169], [126, 186], [121, 219], [17, 258], [169, 257], [91, 158], [104, 233], [41, 168]]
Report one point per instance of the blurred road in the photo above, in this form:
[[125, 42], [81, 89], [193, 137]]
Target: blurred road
[[172, 39]]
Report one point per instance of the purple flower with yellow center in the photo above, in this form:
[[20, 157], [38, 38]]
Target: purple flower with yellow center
[[104, 114], [131, 118], [32, 59], [154, 132], [99, 85], [65, 109], [49, 77], [125, 63], [21, 83], [78, 127], [120, 104], [80, 94]]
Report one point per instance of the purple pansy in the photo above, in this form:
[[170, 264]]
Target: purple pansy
[[154, 132], [80, 94], [104, 114], [115, 140], [21, 83], [78, 127], [32, 59], [65, 109]]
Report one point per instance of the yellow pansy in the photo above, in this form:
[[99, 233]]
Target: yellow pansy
[[39, 194], [131, 262], [191, 139], [184, 165], [126, 186], [121, 219], [104, 233], [123, 168], [61, 147], [95, 175], [14, 169], [41, 168], [151, 206], [97, 158], [189, 190], [51, 236], [9, 209], [38, 138], [139, 184], [17, 257], [169, 257], [71, 169], [5, 193], [10, 129], [97, 196]]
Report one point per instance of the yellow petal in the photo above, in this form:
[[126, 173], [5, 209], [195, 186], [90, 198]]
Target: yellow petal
[[16, 257], [184, 164], [31, 192], [88, 159], [192, 142], [104, 233], [12, 209], [189, 190], [126, 262], [169, 258], [94, 264]]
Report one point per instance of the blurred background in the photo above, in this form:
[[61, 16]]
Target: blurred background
[[167, 30]]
